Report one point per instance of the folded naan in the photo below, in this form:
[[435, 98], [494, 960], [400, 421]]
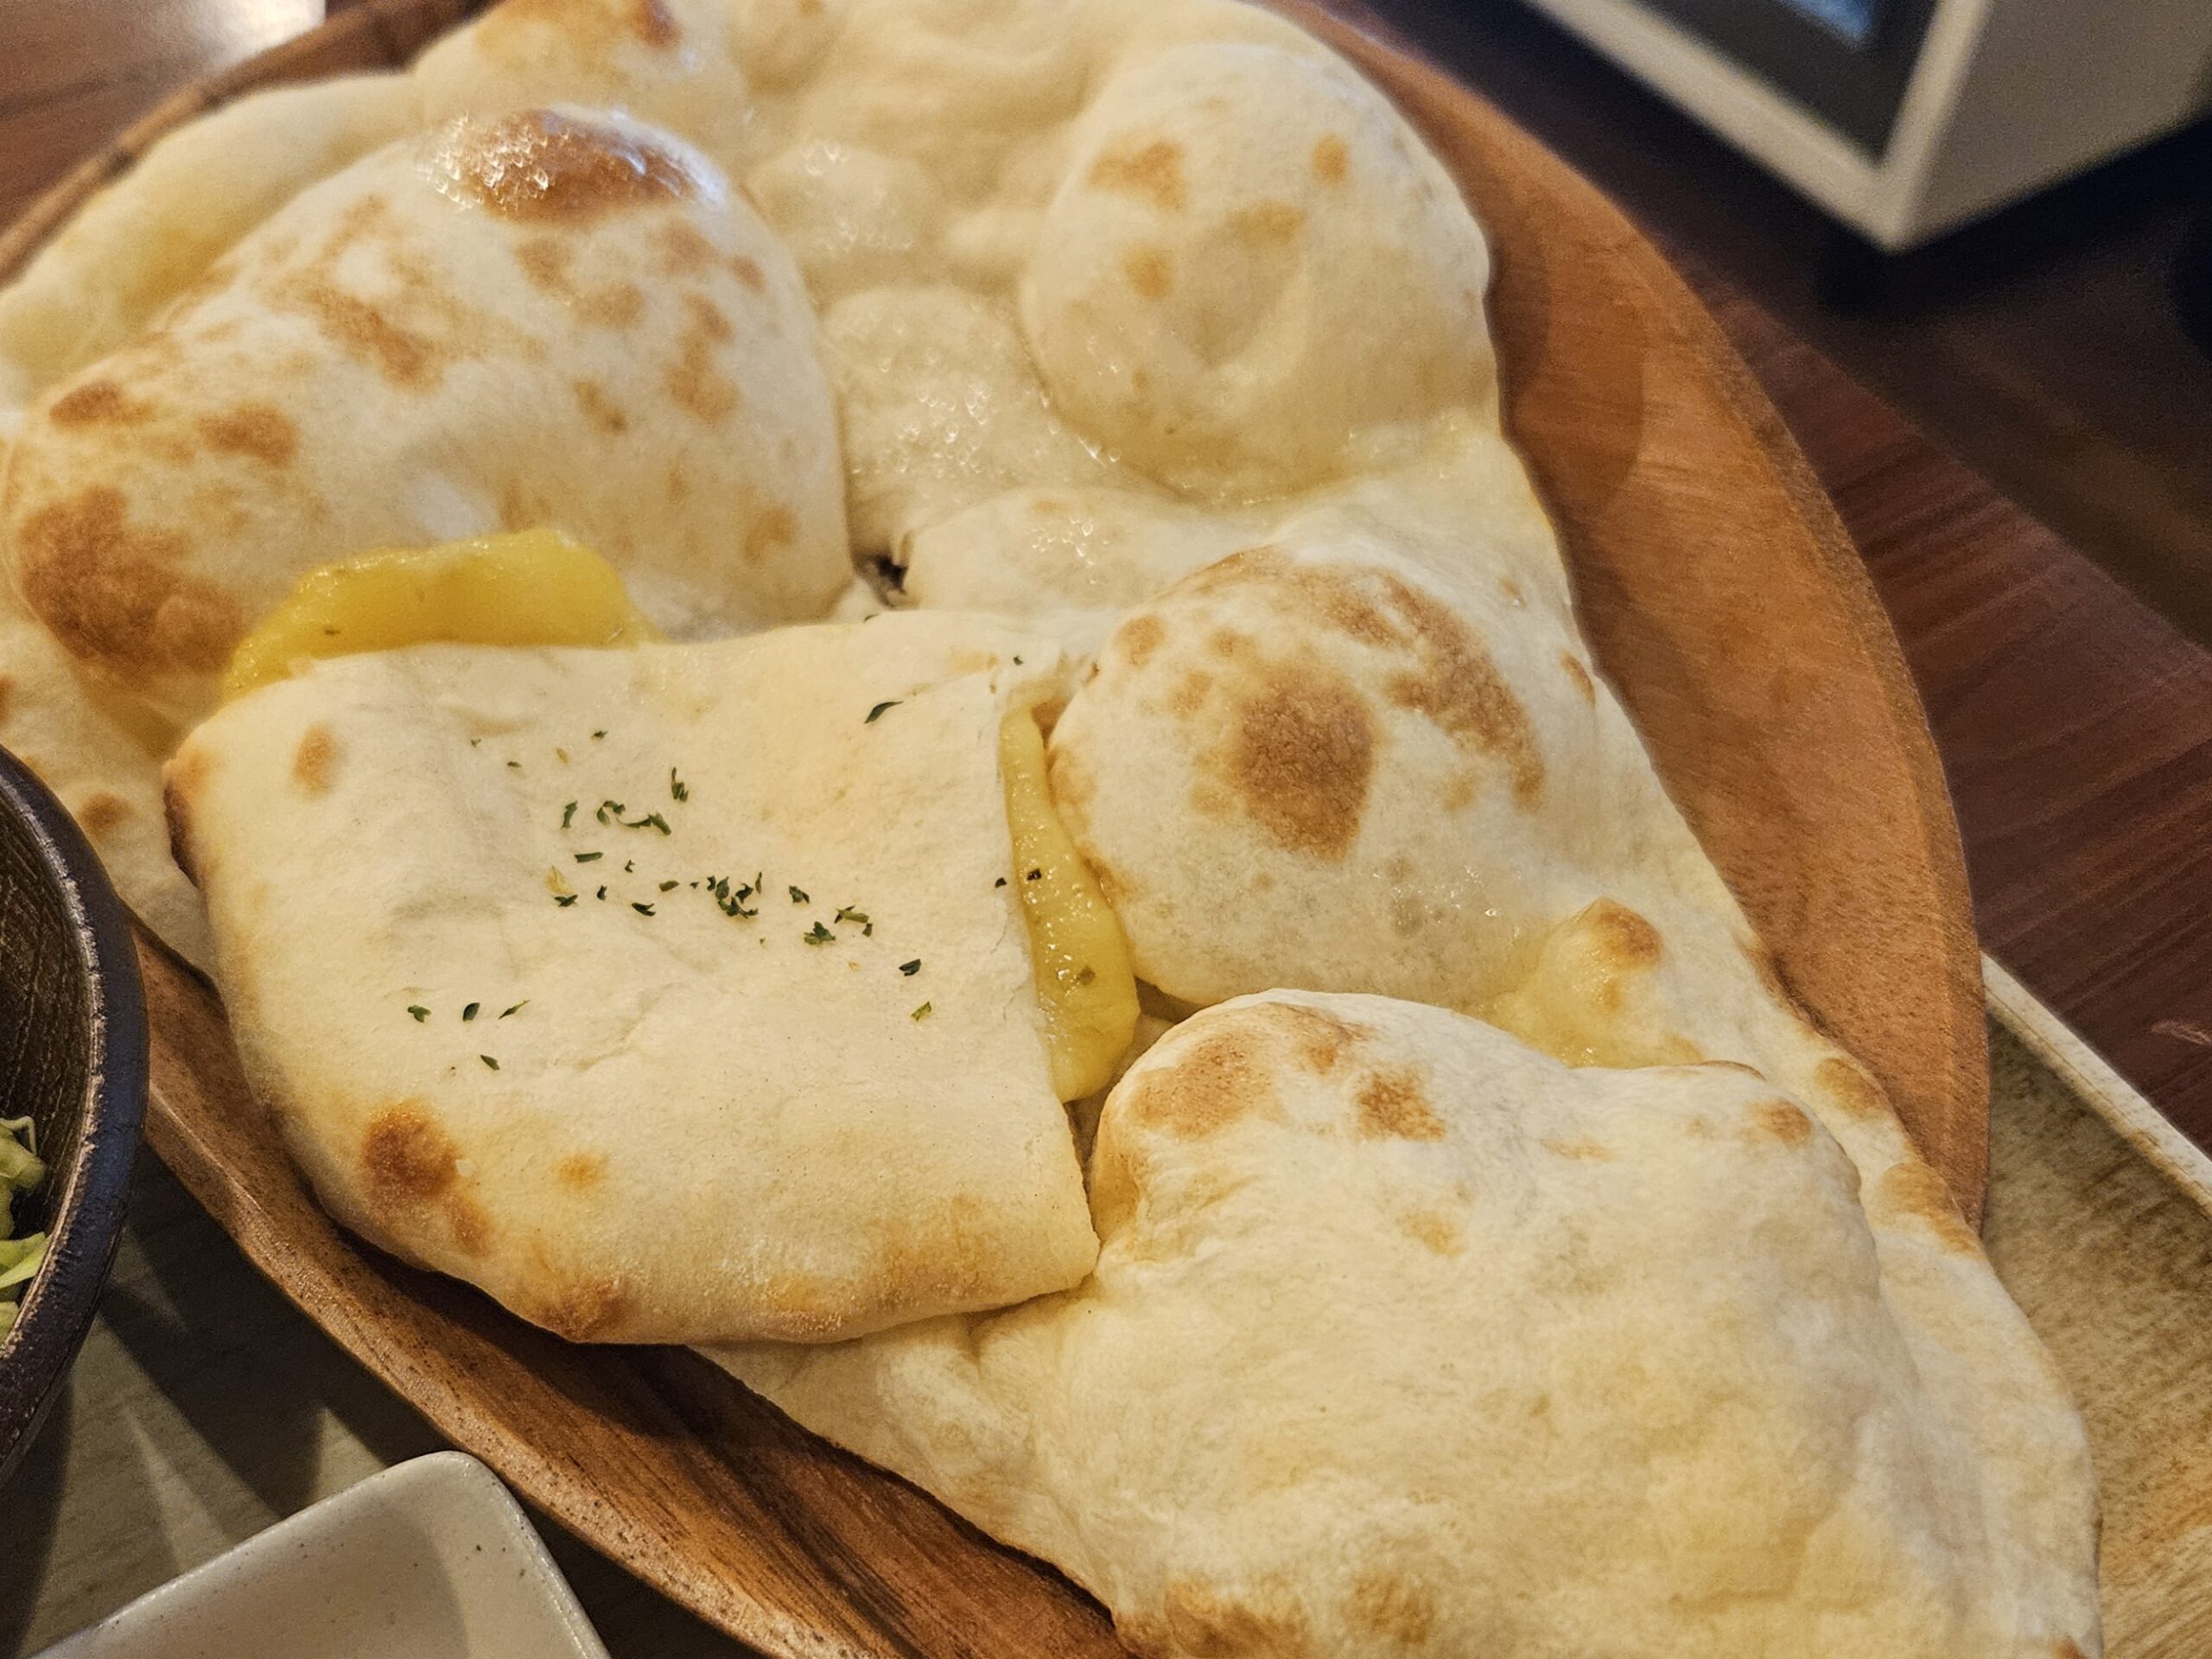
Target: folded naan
[[544, 318], [1405, 1339], [677, 993]]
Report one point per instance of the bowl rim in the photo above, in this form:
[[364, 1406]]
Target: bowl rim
[[58, 1305]]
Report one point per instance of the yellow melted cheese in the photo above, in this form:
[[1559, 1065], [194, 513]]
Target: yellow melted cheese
[[532, 587], [1084, 983]]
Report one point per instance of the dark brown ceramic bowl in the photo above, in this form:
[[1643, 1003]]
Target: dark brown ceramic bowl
[[73, 1059]]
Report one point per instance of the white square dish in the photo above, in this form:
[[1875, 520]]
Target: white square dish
[[431, 1560]]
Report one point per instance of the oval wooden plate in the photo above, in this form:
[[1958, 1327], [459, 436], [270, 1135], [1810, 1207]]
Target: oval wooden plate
[[1723, 599]]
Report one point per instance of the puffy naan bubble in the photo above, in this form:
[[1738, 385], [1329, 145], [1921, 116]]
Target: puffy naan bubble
[[536, 319], [1249, 266], [667, 61], [851, 217], [950, 83], [780, 43], [941, 408], [1316, 764]]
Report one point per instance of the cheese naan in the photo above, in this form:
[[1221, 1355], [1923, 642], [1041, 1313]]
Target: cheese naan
[[539, 318], [1407, 1340], [671, 994]]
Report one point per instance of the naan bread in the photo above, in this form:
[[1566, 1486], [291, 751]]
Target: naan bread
[[1317, 763], [692, 1125], [664, 61], [540, 319], [103, 761], [1251, 273], [1046, 263], [1407, 1340], [143, 240], [1347, 760]]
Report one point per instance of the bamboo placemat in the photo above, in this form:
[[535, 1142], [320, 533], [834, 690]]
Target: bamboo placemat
[[204, 1407]]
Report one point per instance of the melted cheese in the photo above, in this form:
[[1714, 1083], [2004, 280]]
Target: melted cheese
[[532, 587], [1084, 983]]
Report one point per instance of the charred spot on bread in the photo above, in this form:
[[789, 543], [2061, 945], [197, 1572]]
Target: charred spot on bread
[[540, 165]]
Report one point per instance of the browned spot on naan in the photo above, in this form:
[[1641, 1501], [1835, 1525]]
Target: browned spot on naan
[[580, 1171], [1619, 937], [1072, 786], [1232, 645], [520, 508], [1850, 1089], [694, 380], [952, 1263], [748, 271], [1298, 754], [1911, 1188], [7, 697], [1331, 161], [1459, 688], [700, 389], [1197, 1619], [546, 263], [1579, 675], [1149, 270], [651, 22], [1393, 1102], [541, 166], [406, 1159], [1319, 1039], [99, 403], [1190, 693], [583, 1310], [1781, 1119], [1139, 637], [110, 592], [1343, 597], [1459, 792], [258, 431], [1154, 171], [589, 27], [600, 409], [1435, 1230], [1581, 1150], [102, 813], [1388, 1605], [612, 305], [315, 759], [1219, 1077], [1267, 221], [468, 1222], [769, 529], [364, 330], [684, 249], [708, 318]]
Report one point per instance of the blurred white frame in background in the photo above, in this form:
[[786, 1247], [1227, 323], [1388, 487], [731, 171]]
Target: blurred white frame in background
[[2004, 97]]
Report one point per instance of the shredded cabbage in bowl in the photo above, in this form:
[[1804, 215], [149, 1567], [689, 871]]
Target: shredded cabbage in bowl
[[20, 1172]]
